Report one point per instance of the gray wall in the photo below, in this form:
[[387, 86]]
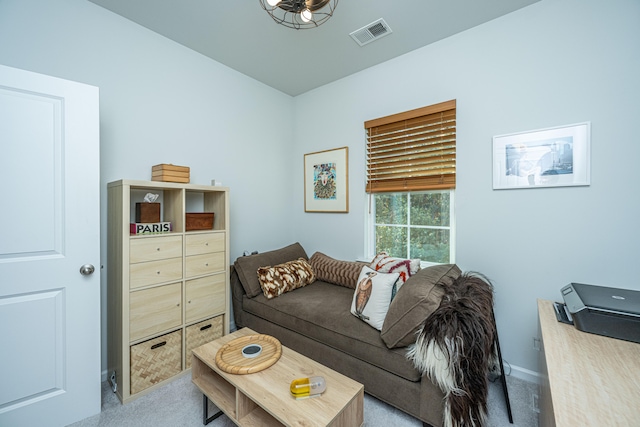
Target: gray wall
[[163, 103], [556, 62]]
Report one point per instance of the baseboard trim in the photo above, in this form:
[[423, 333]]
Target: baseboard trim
[[523, 374]]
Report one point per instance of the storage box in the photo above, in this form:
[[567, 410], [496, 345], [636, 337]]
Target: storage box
[[147, 212], [202, 333], [155, 360], [170, 173], [199, 221]]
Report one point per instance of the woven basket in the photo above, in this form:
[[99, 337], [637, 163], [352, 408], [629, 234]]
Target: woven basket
[[155, 360], [202, 333]]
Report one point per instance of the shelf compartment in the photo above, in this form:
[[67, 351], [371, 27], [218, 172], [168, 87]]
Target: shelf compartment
[[154, 272], [154, 309], [204, 243], [199, 265], [155, 248], [155, 360], [214, 387], [202, 333], [204, 297], [171, 202], [250, 414]]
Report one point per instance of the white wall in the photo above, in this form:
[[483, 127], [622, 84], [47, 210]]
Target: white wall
[[553, 63], [163, 103]]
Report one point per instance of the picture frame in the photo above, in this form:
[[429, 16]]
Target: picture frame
[[326, 181], [552, 157]]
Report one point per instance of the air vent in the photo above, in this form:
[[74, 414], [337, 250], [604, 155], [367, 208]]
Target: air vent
[[371, 32]]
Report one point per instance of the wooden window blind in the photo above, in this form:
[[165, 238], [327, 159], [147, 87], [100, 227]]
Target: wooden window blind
[[412, 151]]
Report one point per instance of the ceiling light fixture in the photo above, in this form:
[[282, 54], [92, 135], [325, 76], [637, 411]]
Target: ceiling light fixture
[[300, 14]]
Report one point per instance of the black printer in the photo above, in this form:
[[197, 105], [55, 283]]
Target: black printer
[[602, 310]]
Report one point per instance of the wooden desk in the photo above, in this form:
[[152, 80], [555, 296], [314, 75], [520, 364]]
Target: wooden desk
[[588, 380]]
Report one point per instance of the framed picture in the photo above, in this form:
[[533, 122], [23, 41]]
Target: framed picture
[[553, 157], [326, 181]]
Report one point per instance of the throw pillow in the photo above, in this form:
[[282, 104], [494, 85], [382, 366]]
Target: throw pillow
[[416, 300], [247, 266], [405, 267], [342, 273], [372, 296], [384, 257], [286, 277]]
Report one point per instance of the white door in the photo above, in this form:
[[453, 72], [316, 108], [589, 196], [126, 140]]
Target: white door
[[49, 228]]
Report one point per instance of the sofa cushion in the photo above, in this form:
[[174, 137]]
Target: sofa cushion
[[404, 267], [415, 301], [330, 270], [286, 277], [372, 296], [320, 311], [247, 266]]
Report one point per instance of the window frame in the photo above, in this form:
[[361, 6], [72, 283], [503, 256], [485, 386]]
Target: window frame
[[370, 225]]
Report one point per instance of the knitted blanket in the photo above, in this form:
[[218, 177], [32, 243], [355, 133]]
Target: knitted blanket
[[456, 348]]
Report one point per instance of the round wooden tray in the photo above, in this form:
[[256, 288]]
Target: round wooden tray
[[230, 359]]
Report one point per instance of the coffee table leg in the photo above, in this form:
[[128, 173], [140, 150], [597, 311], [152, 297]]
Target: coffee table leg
[[206, 419]]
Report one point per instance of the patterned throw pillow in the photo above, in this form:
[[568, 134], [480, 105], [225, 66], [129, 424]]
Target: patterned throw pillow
[[404, 267], [372, 296], [342, 273], [286, 277]]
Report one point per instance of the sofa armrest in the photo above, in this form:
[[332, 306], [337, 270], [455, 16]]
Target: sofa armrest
[[431, 398], [237, 293]]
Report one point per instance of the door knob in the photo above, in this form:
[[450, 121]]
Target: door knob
[[87, 269]]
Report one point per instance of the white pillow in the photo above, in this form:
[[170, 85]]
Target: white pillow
[[372, 296]]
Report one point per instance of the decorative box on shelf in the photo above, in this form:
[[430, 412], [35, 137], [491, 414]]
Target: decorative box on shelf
[[199, 221], [147, 212], [170, 173]]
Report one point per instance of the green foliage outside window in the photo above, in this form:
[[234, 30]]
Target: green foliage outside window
[[414, 225]]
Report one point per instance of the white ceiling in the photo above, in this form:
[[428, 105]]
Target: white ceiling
[[240, 34]]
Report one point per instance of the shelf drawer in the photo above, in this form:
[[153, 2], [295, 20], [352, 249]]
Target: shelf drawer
[[199, 265], [154, 310], [204, 243], [202, 333], [155, 360], [205, 297], [154, 272], [154, 248]]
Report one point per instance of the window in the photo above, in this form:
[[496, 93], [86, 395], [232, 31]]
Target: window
[[411, 161]]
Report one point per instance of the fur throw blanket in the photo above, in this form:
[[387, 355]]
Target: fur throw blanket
[[456, 348]]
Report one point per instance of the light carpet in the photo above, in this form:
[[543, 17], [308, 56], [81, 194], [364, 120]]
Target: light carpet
[[179, 403]]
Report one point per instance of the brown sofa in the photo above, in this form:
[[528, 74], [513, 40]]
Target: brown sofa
[[315, 320]]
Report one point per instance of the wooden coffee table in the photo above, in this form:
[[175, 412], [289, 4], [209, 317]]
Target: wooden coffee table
[[263, 398]]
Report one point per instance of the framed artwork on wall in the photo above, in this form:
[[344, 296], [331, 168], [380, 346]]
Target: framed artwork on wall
[[552, 157], [326, 181]]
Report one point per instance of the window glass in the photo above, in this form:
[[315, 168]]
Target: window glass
[[429, 245], [413, 225], [391, 208], [430, 209]]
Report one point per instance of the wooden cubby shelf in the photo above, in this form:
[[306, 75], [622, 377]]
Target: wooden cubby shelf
[[173, 284]]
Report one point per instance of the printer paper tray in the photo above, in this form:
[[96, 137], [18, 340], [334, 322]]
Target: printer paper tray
[[562, 314]]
